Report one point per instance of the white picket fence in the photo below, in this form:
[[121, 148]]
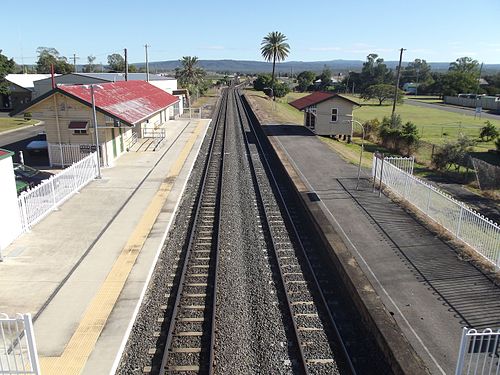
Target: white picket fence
[[482, 234], [64, 154], [479, 352], [35, 204], [18, 353]]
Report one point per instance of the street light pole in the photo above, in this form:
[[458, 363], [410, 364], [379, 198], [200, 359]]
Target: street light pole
[[94, 118], [362, 148]]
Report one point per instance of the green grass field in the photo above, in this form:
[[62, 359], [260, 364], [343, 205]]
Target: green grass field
[[14, 123]]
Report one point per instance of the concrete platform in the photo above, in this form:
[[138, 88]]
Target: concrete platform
[[82, 270], [430, 292]]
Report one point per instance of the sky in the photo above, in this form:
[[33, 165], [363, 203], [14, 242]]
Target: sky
[[437, 31]]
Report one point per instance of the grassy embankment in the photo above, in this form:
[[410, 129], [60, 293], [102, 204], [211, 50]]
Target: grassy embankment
[[14, 123]]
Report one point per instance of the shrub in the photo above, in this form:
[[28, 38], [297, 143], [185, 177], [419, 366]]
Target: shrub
[[372, 128], [488, 131], [497, 143], [27, 116], [454, 153]]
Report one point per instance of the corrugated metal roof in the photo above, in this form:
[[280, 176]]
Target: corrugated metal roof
[[130, 101], [25, 80], [315, 98], [117, 77]]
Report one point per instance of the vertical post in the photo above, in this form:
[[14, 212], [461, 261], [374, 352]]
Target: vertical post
[[147, 62], [30, 339], [24, 212], [74, 62], [396, 88], [428, 200], [459, 224], [381, 176], [375, 174], [126, 64], [461, 352], [21, 157], [94, 118], [53, 193]]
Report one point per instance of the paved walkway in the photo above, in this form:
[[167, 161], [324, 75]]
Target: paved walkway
[[431, 293], [83, 269]]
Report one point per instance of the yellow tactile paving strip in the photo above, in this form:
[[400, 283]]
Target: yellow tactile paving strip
[[81, 344]]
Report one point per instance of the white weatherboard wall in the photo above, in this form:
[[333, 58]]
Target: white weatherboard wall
[[10, 220]]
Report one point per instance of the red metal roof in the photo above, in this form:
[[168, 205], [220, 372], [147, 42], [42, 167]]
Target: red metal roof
[[5, 153], [78, 125], [315, 98], [129, 101]]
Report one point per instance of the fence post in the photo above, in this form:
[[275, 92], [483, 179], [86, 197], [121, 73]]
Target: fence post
[[428, 200], [459, 224], [30, 339], [375, 155], [381, 176], [461, 352], [53, 189]]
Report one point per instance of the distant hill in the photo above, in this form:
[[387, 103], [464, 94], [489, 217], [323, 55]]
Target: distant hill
[[248, 66]]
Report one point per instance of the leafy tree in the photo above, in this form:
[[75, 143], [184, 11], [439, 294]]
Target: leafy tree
[[497, 143], [465, 65], [90, 67], [488, 131], [7, 66], [189, 74], [453, 153], [305, 80], [116, 62], [281, 89], [417, 71], [396, 136], [132, 68], [455, 82], [274, 48], [262, 82], [48, 56], [382, 92]]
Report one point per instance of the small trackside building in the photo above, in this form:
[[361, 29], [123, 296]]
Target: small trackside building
[[125, 111], [326, 113]]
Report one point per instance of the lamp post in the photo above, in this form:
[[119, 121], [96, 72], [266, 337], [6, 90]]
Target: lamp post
[[362, 148]]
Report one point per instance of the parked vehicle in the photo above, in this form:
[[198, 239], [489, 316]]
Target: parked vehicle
[[29, 175]]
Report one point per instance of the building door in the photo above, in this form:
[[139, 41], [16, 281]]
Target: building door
[[310, 120], [113, 139]]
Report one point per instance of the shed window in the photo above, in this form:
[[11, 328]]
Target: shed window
[[334, 115], [78, 127]]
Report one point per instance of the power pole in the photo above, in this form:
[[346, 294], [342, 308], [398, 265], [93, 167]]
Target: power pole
[[397, 83], [147, 63], [126, 64], [74, 61]]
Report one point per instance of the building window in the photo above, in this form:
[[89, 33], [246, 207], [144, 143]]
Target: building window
[[78, 127], [334, 115], [80, 131]]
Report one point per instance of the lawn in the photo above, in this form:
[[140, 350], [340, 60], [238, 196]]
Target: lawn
[[434, 125], [14, 123]]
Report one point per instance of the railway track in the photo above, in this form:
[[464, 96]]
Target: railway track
[[320, 349], [189, 343], [247, 290]]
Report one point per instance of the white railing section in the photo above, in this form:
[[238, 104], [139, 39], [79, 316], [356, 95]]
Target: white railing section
[[477, 231], [192, 113], [132, 140], [65, 154], [36, 203], [479, 352], [18, 354]]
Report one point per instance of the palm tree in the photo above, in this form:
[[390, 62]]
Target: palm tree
[[274, 48], [189, 74]]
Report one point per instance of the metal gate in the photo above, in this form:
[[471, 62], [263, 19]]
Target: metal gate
[[479, 352], [18, 353]]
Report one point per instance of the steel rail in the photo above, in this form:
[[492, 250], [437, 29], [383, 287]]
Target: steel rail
[[192, 237], [259, 197], [273, 179]]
